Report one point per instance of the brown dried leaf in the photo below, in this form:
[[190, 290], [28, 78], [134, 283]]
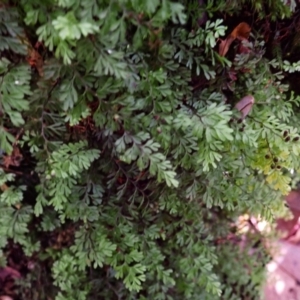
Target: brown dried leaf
[[240, 32], [36, 60], [14, 159], [33, 56], [245, 105], [3, 187]]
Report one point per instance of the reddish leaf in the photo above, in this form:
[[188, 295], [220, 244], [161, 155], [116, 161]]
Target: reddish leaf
[[283, 275], [291, 226], [225, 44], [245, 105], [293, 201], [243, 49], [9, 272], [232, 75]]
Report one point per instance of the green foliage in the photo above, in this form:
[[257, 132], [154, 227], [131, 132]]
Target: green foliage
[[135, 165], [291, 68]]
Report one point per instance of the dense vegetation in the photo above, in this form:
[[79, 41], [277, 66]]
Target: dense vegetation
[[124, 162]]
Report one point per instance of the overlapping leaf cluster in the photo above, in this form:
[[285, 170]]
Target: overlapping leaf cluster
[[131, 145]]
